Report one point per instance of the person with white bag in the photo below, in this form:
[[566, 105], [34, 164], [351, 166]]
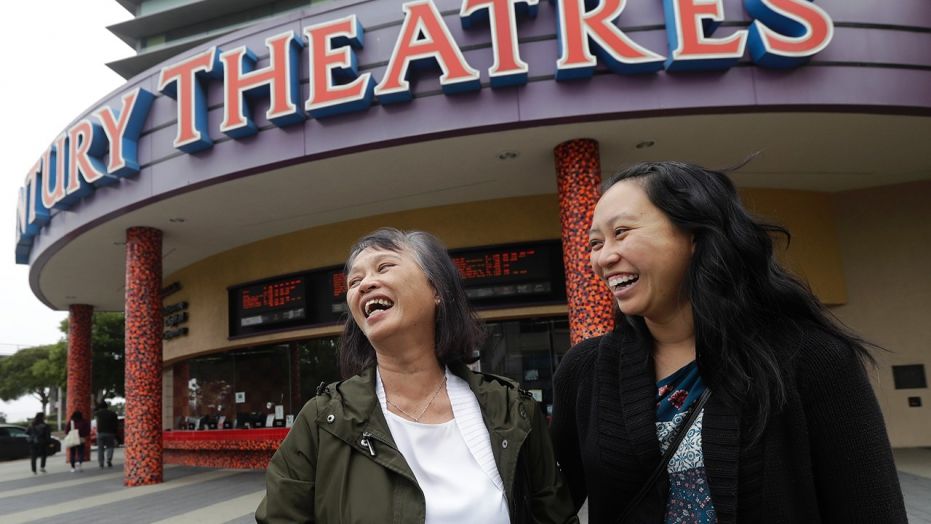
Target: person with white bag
[[78, 431]]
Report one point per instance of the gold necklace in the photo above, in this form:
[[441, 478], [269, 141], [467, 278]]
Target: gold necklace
[[422, 411]]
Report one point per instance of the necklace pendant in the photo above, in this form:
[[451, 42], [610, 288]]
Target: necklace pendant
[[425, 408]]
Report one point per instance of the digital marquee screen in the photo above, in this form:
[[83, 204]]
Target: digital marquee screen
[[496, 276], [270, 303], [502, 275]]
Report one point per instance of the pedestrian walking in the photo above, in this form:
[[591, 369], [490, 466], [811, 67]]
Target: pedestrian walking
[[76, 448], [106, 433], [39, 435]]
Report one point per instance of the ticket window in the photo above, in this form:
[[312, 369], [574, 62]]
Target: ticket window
[[527, 351], [264, 386]]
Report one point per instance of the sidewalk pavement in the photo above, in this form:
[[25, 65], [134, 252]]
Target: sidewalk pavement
[[195, 495], [206, 496]]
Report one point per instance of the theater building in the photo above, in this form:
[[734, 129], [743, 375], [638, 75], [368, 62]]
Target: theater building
[[214, 196]]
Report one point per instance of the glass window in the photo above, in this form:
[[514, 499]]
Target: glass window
[[527, 351], [254, 387], [319, 362], [210, 391], [263, 380]]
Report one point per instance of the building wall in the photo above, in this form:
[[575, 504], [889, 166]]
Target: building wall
[[885, 242], [814, 250], [813, 253]]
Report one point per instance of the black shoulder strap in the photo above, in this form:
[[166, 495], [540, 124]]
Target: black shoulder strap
[[694, 411]]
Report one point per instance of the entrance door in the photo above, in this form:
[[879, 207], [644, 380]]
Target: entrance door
[[527, 351]]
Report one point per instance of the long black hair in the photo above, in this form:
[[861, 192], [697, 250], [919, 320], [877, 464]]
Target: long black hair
[[458, 331], [744, 304]]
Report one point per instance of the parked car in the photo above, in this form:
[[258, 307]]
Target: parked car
[[120, 427], [14, 443]]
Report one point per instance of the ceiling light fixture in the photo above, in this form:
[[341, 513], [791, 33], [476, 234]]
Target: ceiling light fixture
[[176, 220], [646, 144], [508, 155]]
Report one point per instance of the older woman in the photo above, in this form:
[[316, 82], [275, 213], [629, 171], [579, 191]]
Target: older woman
[[412, 435], [716, 343]]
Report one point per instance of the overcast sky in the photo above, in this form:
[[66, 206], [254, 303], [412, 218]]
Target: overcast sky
[[53, 70]]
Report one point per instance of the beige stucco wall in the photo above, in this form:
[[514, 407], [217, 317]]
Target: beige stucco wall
[[885, 239], [814, 250]]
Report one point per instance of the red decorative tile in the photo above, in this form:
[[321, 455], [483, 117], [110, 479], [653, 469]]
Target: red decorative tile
[[578, 177], [143, 356], [226, 459], [79, 363], [223, 448]]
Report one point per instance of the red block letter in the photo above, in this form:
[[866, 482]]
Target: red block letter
[[786, 33], [180, 81], [508, 68], [326, 97], [691, 49], [279, 78], [424, 35], [620, 53]]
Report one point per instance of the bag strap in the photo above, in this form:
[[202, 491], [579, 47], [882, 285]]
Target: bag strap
[[694, 411]]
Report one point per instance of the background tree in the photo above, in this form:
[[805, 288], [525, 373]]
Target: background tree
[[38, 370], [108, 354], [29, 372]]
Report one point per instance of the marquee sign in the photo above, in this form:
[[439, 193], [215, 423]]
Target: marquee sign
[[101, 149]]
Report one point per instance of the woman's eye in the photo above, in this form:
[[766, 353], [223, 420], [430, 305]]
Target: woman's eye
[[354, 282], [594, 245], [383, 267], [618, 231]]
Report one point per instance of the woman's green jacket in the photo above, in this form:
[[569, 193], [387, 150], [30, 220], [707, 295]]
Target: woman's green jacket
[[339, 463]]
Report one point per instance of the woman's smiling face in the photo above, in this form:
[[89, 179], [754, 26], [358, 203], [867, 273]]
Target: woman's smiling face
[[641, 255], [389, 294]]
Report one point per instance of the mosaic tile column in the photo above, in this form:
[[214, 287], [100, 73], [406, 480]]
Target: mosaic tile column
[[143, 356], [79, 365], [578, 180]]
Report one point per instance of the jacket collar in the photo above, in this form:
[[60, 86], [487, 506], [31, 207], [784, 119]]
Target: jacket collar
[[352, 414], [353, 401]]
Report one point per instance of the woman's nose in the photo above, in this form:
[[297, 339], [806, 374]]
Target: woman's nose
[[607, 255], [367, 285]]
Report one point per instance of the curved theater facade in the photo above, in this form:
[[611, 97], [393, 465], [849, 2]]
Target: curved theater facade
[[214, 196]]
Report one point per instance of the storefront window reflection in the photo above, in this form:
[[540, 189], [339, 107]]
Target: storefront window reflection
[[527, 351], [260, 387], [251, 388]]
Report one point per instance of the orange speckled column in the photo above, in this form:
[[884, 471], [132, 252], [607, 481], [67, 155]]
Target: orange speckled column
[[79, 364], [143, 356], [578, 177]]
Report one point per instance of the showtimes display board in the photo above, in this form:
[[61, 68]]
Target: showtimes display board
[[494, 277]]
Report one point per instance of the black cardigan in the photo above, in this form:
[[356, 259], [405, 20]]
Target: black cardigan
[[824, 458]]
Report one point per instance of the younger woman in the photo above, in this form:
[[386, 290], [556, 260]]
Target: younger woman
[[791, 431]]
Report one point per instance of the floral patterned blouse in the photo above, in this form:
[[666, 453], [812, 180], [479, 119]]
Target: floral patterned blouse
[[689, 495]]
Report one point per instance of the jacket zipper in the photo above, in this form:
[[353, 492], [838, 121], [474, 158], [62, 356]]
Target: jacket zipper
[[367, 442]]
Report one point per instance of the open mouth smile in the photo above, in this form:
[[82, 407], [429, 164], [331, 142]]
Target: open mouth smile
[[376, 304], [622, 281]]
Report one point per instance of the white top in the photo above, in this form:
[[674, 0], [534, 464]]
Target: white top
[[452, 461]]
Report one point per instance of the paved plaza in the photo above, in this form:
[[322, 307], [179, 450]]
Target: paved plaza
[[204, 496]]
